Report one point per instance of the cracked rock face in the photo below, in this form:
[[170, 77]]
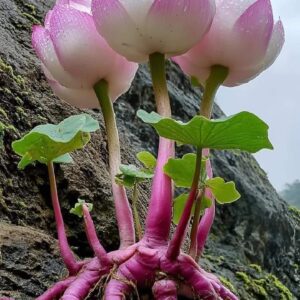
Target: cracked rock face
[[259, 229]]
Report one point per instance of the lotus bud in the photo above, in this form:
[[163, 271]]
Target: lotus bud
[[75, 57], [242, 38], [137, 29]]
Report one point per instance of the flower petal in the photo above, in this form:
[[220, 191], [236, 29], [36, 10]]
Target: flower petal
[[191, 68], [81, 98], [176, 26], [120, 77], [80, 49], [275, 45], [42, 43], [82, 5], [118, 28], [253, 32], [228, 11]]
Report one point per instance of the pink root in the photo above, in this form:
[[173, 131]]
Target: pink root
[[90, 274], [165, 290], [56, 290], [208, 218], [93, 239]]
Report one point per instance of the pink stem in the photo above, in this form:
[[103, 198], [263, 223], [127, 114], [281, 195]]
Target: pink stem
[[67, 254], [90, 274], [56, 290], [165, 290], [123, 215], [123, 210], [205, 227], [209, 215], [93, 239], [160, 208], [178, 237]]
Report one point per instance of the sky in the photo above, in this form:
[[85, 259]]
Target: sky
[[275, 97]]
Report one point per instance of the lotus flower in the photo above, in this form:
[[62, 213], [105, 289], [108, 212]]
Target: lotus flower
[[243, 38], [136, 29], [75, 57]]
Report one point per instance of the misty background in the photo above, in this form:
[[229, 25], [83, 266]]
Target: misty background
[[275, 97]]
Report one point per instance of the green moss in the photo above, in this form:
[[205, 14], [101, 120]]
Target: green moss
[[252, 285], [3, 113], [265, 286], [31, 18], [214, 259], [295, 213], [21, 111], [4, 127], [284, 291], [5, 68], [257, 268], [228, 284], [31, 7]]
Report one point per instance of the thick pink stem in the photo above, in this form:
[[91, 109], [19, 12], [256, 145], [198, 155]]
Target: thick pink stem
[[90, 274], [65, 250], [165, 290], [209, 215], [160, 208], [123, 210], [178, 237], [56, 290], [205, 226], [123, 215], [93, 238]]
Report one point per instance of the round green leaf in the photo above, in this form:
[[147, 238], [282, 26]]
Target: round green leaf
[[224, 192], [243, 131], [78, 208], [147, 159], [45, 143]]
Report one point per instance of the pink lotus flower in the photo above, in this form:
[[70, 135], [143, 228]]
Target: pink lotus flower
[[75, 57], [243, 38], [136, 29]]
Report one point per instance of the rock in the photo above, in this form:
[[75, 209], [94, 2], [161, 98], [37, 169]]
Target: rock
[[259, 229]]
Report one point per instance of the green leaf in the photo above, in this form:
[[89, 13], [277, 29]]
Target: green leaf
[[78, 208], [205, 203], [45, 143], [179, 204], [178, 207], [130, 175], [64, 159], [147, 159], [243, 131], [224, 192], [182, 170]]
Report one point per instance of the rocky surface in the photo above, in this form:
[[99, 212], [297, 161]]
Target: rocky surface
[[252, 239]]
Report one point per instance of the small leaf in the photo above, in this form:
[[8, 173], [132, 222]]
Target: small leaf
[[182, 170], [224, 192], [147, 159], [78, 208], [64, 159], [178, 207], [45, 143], [205, 203], [130, 175], [243, 131], [180, 202]]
